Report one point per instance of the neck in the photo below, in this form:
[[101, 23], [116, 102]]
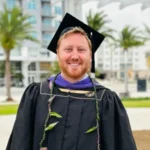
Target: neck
[[72, 80]]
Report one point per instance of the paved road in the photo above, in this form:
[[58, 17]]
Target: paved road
[[139, 119]]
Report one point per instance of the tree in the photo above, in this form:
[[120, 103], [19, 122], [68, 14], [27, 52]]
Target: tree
[[148, 61], [129, 37], [98, 22], [147, 32], [14, 28], [55, 69]]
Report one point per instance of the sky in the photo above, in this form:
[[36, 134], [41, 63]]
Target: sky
[[131, 15]]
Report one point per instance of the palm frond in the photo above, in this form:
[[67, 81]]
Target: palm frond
[[98, 22], [130, 37], [147, 29], [14, 27]]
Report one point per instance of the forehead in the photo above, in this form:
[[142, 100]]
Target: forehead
[[74, 35], [74, 38]]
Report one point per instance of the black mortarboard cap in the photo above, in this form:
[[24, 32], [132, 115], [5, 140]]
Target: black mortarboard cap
[[67, 24]]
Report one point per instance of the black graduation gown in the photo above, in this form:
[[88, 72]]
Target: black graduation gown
[[78, 115]]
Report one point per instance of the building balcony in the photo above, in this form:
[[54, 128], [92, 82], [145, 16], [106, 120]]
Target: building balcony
[[49, 28], [48, 14], [45, 43], [55, 1], [45, 1]]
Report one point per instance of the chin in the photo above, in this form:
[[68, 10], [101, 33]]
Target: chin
[[76, 75]]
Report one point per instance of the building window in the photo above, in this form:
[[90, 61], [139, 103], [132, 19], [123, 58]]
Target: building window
[[32, 5], [100, 66], [32, 52], [32, 66], [58, 10], [32, 20], [1, 52], [46, 22], [2, 69], [16, 66], [122, 74], [44, 53], [34, 34], [10, 4], [45, 65], [46, 38], [57, 23], [121, 66], [46, 9]]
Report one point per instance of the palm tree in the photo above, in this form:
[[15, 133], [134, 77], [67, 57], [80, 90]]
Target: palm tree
[[129, 37], [147, 31], [98, 22], [148, 60], [14, 28]]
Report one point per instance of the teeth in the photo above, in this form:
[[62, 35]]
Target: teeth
[[74, 64]]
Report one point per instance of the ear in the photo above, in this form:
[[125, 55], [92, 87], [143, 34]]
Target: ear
[[57, 57]]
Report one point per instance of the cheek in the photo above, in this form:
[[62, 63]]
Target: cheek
[[87, 57], [62, 57]]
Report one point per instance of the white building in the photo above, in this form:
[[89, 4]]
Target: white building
[[33, 60], [107, 59]]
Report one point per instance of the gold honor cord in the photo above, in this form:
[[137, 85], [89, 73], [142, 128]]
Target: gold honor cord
[[74, 91]]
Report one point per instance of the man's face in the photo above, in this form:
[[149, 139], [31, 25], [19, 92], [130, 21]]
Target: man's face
[[74, 56]]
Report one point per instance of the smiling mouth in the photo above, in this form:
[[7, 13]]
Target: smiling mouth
[[74, 65]]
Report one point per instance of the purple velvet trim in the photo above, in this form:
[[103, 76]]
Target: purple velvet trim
[[83, 84]]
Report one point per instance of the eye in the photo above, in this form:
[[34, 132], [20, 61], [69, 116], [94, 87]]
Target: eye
[[81, 49], [68, 49]]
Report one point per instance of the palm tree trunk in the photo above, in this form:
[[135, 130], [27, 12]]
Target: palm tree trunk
[[111, 65], [148, 77], [8, 75], [126, 73]]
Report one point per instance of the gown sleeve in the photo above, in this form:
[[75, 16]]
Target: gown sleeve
[[21, 137], [115, 128]]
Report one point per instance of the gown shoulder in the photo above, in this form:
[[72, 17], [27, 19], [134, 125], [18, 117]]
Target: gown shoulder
[[115, 126], [21, 135]]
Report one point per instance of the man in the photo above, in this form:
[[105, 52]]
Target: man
[[71, 111]]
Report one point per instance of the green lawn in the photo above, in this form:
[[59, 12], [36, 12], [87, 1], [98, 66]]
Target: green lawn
[[8, 109], [134, 102]]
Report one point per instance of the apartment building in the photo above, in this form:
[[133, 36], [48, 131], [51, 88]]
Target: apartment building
[[109, 60], [31, 62]]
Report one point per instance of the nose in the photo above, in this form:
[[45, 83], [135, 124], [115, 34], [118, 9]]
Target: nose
[[75, 54]]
